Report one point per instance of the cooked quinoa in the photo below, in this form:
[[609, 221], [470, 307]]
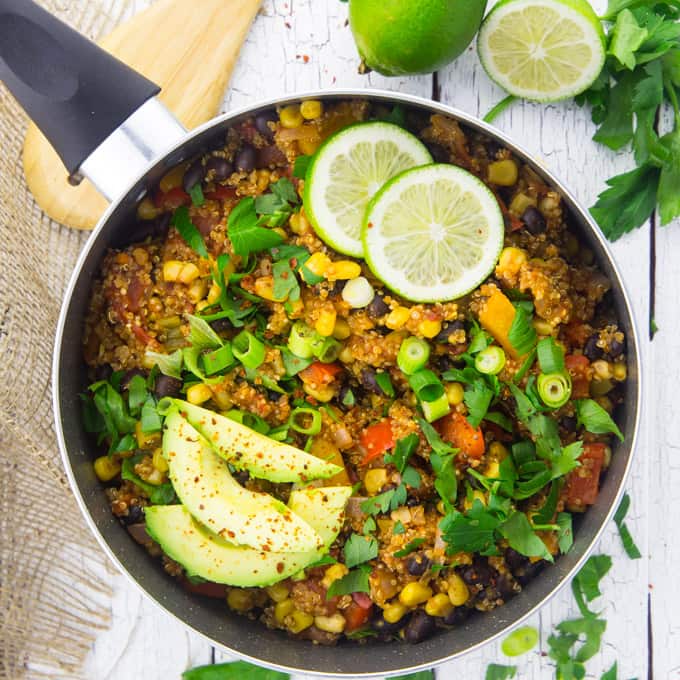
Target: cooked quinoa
[[416, 583]]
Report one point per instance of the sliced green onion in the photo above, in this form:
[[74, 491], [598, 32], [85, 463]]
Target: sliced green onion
[[279, 434], [554, 389], [250, 420], [349, 399], [490, 361], [385, 384], [248, 349], [434, 410], [218, 360], [295, 423], [169, 364], [201, 334], [413, 355], [426, 385], [301, 340], [550, 356], [326, 350]]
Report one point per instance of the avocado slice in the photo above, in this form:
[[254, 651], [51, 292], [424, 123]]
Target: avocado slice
[[246, 449], [205, 554], [205, 486]]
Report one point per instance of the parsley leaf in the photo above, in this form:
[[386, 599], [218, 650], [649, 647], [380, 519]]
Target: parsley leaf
[[300, 166], [244, 232], [669, 181], [478, 399], [521, 537], [234, 670], [565, 534], [567, 460], [595, 419], [359, 549], [522, 334], [385, 502], [356, 581], [410, 547], [495, 671], [442, 461], [586, 584], [550, 356], [611, 674], [188, 231], [472, 532], [628, 543], [398, 528]]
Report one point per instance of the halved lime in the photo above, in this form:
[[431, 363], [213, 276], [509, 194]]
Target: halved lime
[[433, 233], [544, 50], [347, 170]]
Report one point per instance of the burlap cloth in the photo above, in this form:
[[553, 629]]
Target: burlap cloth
[[54, 595]]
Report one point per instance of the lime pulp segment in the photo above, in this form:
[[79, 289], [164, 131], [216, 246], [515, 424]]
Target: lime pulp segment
[[433, 233], [542, 49], [347, 171]]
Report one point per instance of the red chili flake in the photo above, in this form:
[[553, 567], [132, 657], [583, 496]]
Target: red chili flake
[[279, 567], [305, 58], [287, 24], [370, 225]]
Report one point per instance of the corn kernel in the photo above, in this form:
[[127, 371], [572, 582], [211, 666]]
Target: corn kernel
[[342, 270], [602, 370], [342, 330], [290, 116], [325, 324], [214, 293], [299, 224], [497, 451], [240, 600], [414, 593], [454, 393], [189, 273], [503, 173], [158, 460], [374, 480], [458, 592], [397, 318], [438, 605], [330, 624], [429, 327], [492, 469], [346, 355], [146, 440], [607, 458], [171, 270], [295, 309], [278, 592], [333, 573], [283, 609], [318, 263], [106, 468], [520, 203], [299, 621], [197, 290], [394, 612], [511, 260], [264, 287], [620, 372], [308, 146], [173, 178], [542, 327], [476, 495], [146, 210], [198, 394], [223, 400], [598, 388], [311, 109], [441, 508]]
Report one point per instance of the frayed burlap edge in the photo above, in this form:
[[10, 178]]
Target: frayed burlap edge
[[54, 593]]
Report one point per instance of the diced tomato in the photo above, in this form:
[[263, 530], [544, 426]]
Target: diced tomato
[[583, 483], [221, 193], [579, 370], [173, 199], [135, 290], [356, 616], [208, 589], [376, 439], [455, 429], [143, 336], [319, 373]]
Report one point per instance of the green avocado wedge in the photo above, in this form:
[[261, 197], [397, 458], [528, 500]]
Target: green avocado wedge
[[209, 556], [206, 488], [246, 449]]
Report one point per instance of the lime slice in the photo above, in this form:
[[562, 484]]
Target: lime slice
[[347, 170], [433, 233], [545, 50]]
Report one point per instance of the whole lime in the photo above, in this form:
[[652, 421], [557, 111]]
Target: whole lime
[[404, 37]]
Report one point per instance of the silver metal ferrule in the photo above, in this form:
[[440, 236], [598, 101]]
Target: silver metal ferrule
[[131, 148]]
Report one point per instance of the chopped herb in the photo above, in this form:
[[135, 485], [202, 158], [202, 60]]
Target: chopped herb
[[595, 419], [244, 230], [500, 419], [411, 477], [169, 364], [300, 166], [188, 231], [201, 334], [420, 675], [150, 419], [359, 549], [196, 194], [495, 671], [369, 526], [521, 537], [398, 528], [628, 543], [478, 399], [137, 394], [565, 534], [234, 670], [349, 399], [356, 581], [385, 502], [385, 384], [162, 494], [586, 584], [441, 458], [522, 334], [528, 363], [550, 356], [472, 532], [322, 562], [403, 450], [611, 674], [410, 547]]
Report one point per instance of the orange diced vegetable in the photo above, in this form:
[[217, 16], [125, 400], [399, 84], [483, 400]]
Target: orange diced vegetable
[[320, 374], [496, 316], [376, 439], [578, 367], [583, 483], [455, 429]]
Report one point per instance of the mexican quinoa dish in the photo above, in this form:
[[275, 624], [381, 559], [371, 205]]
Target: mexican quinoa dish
[[357, 376]]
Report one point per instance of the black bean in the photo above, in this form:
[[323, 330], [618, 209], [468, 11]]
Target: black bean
[[161, 225], [336, 290], [477, 573], [444, 363], [420, 627], [135, 515], [492, 149], [167, 386], [379, 624], [220, 325], [129, 375], [273, 395], [568, 423], [591, 349], [377, 307], [515, 560], [369, 382], [439, 153], [103, 372], [245, 158], [447, 331], [417, 564], [505, 585], [261, 121], [527, 572], [456, 616], [193, 175], [533, 220], [616, 348], [221, 167]]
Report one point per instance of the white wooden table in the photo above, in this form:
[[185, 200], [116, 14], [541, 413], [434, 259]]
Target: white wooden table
[[297, 45]]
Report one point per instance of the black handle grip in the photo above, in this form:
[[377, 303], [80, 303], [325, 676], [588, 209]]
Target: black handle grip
[[74, 91]]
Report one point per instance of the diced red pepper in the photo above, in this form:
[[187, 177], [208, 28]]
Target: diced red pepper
[[579, 370], [376, 439], [455, 429], [172, 199], [583, 483], [356, 616], [319, 373], [135, 291], [221, 193]]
